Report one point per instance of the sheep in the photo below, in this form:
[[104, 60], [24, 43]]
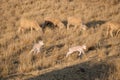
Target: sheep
[[56, 22], [112, 27], [28, 24], [37, 47], [80, 49], [75, 22]]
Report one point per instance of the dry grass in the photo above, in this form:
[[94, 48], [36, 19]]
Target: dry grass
[[102, 56]]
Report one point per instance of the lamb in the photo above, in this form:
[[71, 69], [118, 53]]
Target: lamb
[[80, 49], [37, 47], [56, 22], [75, 22], [28, 24], [112, 27]]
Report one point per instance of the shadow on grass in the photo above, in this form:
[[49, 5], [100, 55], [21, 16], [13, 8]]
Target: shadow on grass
[[95, 23], [89, 24], [65, 22], [84, 71]]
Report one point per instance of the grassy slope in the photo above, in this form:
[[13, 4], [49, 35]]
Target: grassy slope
[[102, 57]]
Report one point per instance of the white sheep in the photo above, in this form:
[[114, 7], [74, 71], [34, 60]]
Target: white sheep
[[80, 49], [75, 22], [37, 47], [28, 24], [112, 27], [55, 21]]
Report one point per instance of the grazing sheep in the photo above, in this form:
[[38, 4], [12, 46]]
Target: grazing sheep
[[112, 27], [28, 24], [75, 22], [55, 21], [80, 49], [37, 47]]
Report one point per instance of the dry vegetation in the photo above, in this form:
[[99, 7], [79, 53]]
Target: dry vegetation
[[102, 56]]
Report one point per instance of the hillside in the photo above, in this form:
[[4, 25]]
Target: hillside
[[101, 61]]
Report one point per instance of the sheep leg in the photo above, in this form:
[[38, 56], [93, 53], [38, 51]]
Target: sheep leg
[[75, 27], [117, 32], [22, 30], [19, 30], [68, 54], [111, 33], [83, 52], [38, 50], [107, 33], [35, 51], [80, 53], [68, 26], [31, 51], [31, 29]]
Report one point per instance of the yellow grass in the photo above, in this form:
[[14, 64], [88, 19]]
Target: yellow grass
[[102, 55]]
